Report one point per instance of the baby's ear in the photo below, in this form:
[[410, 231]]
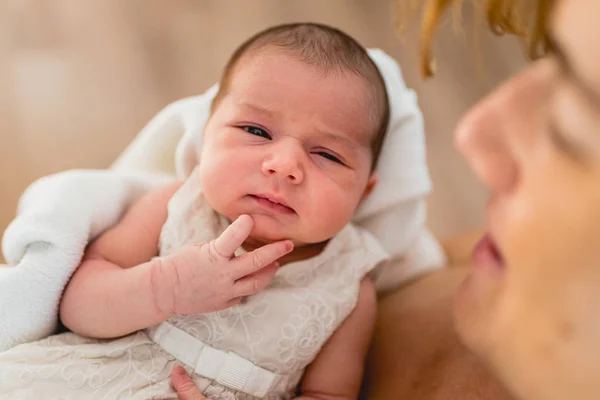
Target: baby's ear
[[373, 179]]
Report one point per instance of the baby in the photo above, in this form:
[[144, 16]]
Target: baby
[[249, 273]]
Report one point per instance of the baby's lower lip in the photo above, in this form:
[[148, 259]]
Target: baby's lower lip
[[272, 206]]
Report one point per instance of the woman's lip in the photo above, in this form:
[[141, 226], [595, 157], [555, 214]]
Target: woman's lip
[[486, 254]]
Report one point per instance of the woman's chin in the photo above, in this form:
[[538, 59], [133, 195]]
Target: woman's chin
[[464, 311], [473, 313], [478, 295]]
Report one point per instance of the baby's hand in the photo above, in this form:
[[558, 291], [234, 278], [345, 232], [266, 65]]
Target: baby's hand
[[208, 277]]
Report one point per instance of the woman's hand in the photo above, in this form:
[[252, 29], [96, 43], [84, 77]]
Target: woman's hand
[[184, 386]]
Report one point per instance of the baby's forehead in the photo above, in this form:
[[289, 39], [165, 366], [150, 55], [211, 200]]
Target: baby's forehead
[[266, 59], [275, 79]]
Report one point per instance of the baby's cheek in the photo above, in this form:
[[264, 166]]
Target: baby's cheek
[[334, 210], [210, 178]]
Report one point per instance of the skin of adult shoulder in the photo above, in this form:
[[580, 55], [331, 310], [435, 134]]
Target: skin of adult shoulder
[[416, 353]]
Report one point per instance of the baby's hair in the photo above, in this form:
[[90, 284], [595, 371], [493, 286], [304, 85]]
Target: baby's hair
[[328, 49]]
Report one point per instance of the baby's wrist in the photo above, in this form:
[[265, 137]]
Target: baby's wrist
[[162, 288]]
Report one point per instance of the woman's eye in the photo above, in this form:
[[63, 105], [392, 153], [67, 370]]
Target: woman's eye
[[330, 157], [256, 131]]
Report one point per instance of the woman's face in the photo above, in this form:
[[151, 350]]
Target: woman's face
[[531, 307]]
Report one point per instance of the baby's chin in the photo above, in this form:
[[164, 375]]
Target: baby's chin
[[269, 229], [266, 233]]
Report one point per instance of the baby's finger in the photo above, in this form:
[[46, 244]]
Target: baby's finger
[[233, 302], [234, 236], [184, 386], [255, 282], [255, 260]]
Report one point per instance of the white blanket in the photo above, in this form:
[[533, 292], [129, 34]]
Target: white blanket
[[58, 215]]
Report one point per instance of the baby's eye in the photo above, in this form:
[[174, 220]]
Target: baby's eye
[[330, 157], [256, 131]]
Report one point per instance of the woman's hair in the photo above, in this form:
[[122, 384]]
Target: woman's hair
[[527, 19]]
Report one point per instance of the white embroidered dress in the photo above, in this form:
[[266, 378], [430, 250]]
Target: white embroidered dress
[[257, 349]]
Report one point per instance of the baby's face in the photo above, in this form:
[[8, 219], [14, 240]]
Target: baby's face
[[289, 146]]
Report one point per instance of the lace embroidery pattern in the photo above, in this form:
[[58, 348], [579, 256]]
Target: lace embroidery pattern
[[284, 327], [281, 329]]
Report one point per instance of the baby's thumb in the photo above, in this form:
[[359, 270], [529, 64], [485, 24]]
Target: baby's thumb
[[184, 386]]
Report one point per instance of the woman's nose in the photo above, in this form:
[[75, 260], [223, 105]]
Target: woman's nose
[[498, 136], [285, 162], [491, 133]]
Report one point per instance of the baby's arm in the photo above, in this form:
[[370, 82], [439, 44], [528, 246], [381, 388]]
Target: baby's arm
[[106, 297], [337, 371], [118, 289]]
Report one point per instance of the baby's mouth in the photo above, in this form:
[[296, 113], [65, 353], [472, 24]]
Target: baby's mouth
[[273, 203]]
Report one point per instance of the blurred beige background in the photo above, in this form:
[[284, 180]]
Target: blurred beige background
[[79, 78]]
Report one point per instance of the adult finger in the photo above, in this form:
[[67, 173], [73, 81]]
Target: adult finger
[[234, 236], [255, 260], [255, 282], [184, 386]]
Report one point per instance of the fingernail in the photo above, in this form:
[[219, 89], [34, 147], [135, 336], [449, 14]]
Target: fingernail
[[245, 216]]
